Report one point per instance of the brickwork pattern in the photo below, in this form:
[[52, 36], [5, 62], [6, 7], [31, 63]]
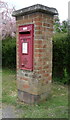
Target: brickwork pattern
[[38, 81]]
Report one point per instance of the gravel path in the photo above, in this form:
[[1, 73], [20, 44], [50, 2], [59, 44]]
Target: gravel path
[[9, 111]]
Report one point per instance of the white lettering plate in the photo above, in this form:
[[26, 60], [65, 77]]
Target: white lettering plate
[[24, 48]]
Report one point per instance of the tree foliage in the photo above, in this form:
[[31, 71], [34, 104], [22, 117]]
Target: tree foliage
[[7, 22], [60, 27]]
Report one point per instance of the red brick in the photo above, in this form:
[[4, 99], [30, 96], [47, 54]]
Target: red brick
[[44, 24], [50, 78], [38, 32], [35, 15], [39, 46], [26, 86], [25, 17], [37, 19], [44, 46], [37, 55], [51, 29], [51, 21], [38, 23], [46, 75], [38, 42], [23, 78], [39, 50]]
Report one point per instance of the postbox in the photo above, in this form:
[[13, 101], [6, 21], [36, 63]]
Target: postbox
[[26, 33], [34, 61]]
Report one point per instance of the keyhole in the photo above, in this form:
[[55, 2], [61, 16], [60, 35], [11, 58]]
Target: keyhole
[[24, 39], [23, 65]]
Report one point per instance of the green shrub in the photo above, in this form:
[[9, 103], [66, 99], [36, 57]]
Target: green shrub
[[61, 57], [9, 52], [68, 55]]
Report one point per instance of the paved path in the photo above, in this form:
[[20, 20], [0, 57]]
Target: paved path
[[0, 113], [9, 111]]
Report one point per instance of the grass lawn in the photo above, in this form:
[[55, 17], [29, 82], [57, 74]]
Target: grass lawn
[[55, 107]]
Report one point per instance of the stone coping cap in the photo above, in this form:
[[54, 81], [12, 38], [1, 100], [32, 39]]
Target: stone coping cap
[[34, 9]]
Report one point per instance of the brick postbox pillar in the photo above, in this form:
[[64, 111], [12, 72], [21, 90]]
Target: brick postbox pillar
[[34, 52]]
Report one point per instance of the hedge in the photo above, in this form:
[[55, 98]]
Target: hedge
[[9, 52], [61, 57]]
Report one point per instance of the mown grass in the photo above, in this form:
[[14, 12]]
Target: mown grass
[[55, 107], [9, 89]]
